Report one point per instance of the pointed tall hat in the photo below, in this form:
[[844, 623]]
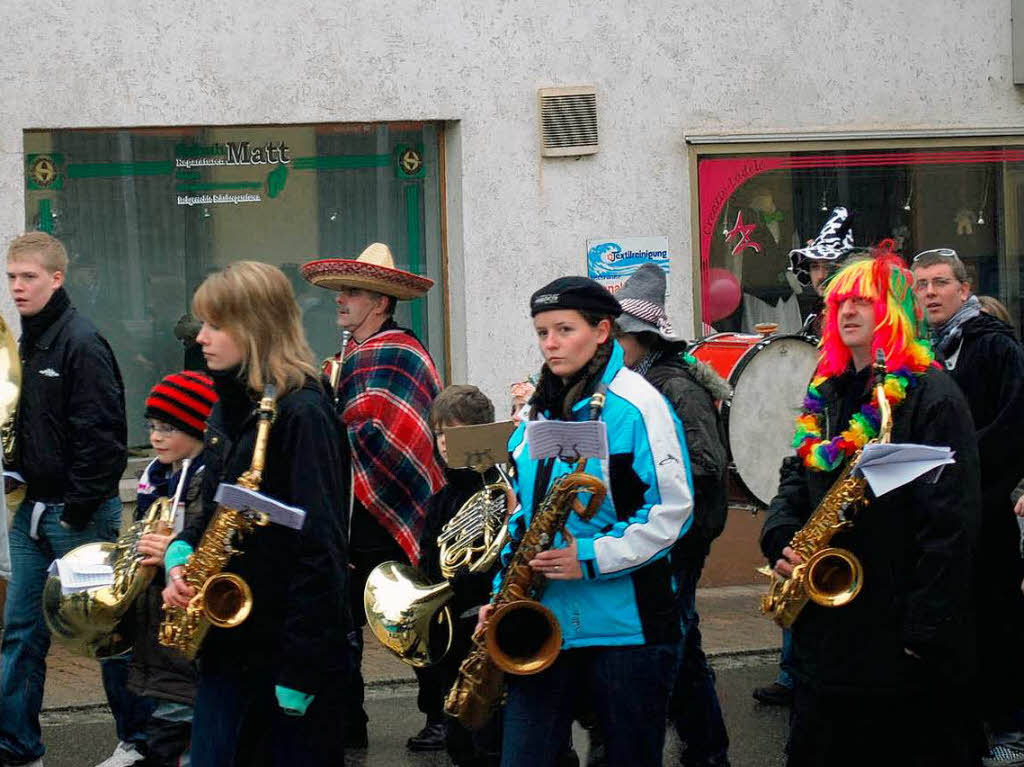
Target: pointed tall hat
[[833, 243]]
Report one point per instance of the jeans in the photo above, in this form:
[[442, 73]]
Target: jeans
[[236, 720], [627, 687], [131, 712], [168, 734], [695, 710], [26, 636], [785, 677]]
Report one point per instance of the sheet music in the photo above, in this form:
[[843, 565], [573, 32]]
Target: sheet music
[[570, 440], [81, 576], [236, 497], [889, 466]]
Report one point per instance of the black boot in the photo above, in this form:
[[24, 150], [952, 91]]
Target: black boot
[[430, 738]]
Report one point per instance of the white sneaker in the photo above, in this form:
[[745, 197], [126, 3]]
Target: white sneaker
[[123, 755]]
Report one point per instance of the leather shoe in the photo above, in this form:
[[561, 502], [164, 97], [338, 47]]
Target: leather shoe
[[430, 738], [774, 694]]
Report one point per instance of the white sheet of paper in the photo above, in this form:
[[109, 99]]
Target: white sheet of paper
[[889, 466], [235, 497], [80, 576], [571, 440]]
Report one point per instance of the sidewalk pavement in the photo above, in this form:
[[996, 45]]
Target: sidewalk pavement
[[729, 622]]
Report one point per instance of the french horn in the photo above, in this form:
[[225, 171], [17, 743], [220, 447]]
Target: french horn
[[87, 622], [411, 617]]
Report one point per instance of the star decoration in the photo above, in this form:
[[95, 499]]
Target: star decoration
[[742, 231]]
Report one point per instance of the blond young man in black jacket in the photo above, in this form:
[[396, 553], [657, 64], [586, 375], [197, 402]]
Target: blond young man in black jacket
[[70, 437]]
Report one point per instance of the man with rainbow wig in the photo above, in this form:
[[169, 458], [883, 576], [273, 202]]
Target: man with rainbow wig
[[884, 679]]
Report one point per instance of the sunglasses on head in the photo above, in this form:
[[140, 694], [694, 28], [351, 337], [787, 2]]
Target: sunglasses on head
[[941, 252]]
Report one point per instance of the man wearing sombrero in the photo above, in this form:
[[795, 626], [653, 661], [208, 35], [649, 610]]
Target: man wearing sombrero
[[386, 384]]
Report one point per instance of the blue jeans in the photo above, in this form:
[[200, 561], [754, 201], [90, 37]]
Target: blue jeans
[[785, 677], [627, 687], [26, 637], [695, 710], [131, 712]]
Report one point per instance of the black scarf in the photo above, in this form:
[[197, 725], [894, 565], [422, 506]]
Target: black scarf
[[32, 328], [556, 397]]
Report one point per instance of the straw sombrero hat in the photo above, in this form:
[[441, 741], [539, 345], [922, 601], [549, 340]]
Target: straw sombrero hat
[[373, 270]]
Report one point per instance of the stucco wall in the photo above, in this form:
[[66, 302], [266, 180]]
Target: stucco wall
[[662, 70]]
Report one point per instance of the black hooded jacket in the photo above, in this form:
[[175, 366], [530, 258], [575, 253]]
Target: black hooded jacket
[[297, 630], [915, 543]]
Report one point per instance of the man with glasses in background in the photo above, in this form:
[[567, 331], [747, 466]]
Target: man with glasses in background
[[985, 359]]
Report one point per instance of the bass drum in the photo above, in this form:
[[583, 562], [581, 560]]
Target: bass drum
[[769, 377]]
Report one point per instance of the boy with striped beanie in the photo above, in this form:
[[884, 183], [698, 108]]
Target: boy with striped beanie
[[160, 683], [183, 401]]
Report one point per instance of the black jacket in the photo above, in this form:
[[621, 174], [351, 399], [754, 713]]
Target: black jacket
[[693, 400], [71, 433], [297, 630], [915, 543], [989, 368], [158, 671]]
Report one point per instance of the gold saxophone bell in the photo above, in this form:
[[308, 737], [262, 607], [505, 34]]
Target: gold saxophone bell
[[523, 637], [834, 577], [226, 600]]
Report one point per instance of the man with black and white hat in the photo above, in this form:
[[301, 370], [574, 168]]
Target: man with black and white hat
[[652, 349], [811, 265]]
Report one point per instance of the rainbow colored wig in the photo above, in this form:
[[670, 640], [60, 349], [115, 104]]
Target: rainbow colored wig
[[884, 279]]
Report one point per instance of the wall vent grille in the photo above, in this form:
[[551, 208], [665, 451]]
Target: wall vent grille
[[568, 121]]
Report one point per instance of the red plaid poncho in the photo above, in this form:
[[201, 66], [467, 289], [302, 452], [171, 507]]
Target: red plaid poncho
[[387, 386]]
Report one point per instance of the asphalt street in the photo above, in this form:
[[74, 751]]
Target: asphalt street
[[85, 737]]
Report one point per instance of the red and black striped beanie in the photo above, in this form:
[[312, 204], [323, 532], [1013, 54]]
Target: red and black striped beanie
[[183, 400]]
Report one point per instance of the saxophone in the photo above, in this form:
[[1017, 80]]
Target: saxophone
[[828, 576], [522, 636], [222, 599]]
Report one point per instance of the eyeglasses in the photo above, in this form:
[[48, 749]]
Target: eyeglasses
[[940, 252], [160, 428], [921, 286]]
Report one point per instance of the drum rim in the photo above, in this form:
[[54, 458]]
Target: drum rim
[[737, 371]]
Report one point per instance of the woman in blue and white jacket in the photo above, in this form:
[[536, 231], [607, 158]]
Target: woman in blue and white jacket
[[609, 582]]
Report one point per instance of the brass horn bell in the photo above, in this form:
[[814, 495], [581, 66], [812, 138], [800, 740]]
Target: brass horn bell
[[834, 577], [409, 616]]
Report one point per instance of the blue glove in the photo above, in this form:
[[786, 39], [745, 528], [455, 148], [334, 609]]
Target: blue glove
[[177, 554], [292, 702]]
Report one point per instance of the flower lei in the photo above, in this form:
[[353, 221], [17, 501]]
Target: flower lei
[[827, 455]]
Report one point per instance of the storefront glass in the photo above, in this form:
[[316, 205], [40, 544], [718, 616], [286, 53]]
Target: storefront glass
[[755, 207], [146, 214]]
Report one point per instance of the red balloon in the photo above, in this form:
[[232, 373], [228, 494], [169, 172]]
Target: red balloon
[[724, 294]]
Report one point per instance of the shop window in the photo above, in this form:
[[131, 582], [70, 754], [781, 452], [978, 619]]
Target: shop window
[[755, 207], [146, 214]]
